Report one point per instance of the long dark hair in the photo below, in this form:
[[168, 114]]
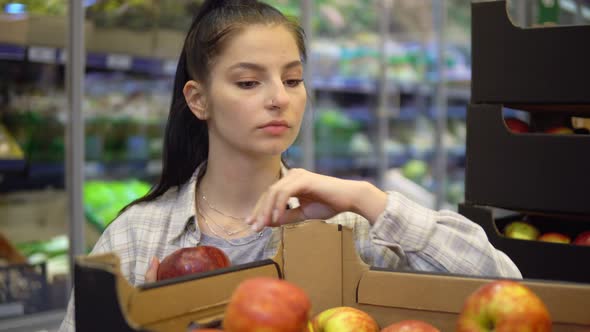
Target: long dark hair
[[186, 141]]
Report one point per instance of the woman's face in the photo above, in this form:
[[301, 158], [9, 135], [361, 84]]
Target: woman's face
[[256, 97]]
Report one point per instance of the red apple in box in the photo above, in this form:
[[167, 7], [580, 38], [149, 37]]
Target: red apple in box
[[517, 126], [192, 260], [343, 319], [583, 239], [267, 304], [554, 237], [503, 305], [410, 326]]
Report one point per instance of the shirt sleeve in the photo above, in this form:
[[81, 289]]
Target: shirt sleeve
[[409, 236]]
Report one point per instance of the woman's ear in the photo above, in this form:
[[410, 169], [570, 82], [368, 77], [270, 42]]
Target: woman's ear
[[194, 94]]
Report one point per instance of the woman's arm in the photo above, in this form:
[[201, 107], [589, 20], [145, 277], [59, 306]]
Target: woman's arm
[[396, 232], [409, 236]]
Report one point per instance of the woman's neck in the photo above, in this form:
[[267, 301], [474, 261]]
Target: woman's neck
[[234, 186]]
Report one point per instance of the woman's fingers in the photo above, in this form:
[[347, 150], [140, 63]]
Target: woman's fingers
[[273, 204], [151, 275]]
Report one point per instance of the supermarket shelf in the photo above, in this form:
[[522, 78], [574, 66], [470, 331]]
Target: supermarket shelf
[[155, 66], [12, 52], [11, 165], [39, 175], [47, 321], [406, 113], [122, 62], [369, 86]]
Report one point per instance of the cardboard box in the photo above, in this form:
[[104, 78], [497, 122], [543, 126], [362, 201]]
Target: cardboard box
[[537, 259], [319, 257], [38, 30], [511, 64], [527, 172]]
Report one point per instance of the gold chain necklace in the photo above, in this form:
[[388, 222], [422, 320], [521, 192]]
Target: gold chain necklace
[[212, 207], [227, 240], [206, 216]]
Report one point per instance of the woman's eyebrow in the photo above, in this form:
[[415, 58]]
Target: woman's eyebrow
[[260, 68]]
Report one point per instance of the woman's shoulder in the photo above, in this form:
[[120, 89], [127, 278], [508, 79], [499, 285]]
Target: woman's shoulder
[[146, 213]]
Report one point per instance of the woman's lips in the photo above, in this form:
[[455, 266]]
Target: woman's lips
[[275, 129]]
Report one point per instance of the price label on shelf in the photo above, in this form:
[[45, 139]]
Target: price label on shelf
[[63, 56], [169, 67], [42, 54], [119, 62]]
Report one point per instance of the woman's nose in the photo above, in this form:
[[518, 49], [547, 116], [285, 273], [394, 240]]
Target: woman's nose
[[279, 98]]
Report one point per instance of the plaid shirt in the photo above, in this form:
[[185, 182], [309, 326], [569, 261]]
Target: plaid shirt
[[405, 236]]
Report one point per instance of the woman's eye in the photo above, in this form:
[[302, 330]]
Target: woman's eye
[[293, 83], [247, 84]]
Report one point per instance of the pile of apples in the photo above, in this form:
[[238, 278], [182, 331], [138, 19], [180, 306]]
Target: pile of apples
[[269, 304], [276, 305], [516, 125], [526, 231]]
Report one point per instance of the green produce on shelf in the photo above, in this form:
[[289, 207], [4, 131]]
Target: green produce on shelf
[[415, 170], [43, 7], [334, 131], [104, 199], [41, 250]]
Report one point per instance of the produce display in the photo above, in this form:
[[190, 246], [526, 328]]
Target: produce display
[[343, 319], [268, 304], [53, 252], [103, 200], [192, 260], [9, 149], [525, 230], [504, 305], [571, 126]]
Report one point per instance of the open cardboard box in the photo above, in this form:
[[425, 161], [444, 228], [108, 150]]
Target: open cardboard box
[[319, 257]]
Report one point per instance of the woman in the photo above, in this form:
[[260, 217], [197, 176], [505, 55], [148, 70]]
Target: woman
[[238, 104]]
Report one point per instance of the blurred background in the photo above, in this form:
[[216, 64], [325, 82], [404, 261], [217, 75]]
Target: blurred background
[[389, 83]]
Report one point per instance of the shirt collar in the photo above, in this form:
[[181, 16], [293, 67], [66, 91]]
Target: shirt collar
[[183, 210]]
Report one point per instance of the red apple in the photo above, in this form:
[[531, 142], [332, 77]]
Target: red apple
[[583, 239], [503, 305], [521, 230], [410, 326], [267, 304], [192, 260], [554, 237], [517, 126], [343, 319]]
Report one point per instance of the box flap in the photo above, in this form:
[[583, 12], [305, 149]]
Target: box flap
[[197, 297], [442, 293], [419, 291], [567, 302], [312, 259], [353, 268]]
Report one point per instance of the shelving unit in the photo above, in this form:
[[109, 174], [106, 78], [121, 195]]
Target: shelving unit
[[539, 176]]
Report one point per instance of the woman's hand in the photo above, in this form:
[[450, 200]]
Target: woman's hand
[[151, 275], [320, 197]]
